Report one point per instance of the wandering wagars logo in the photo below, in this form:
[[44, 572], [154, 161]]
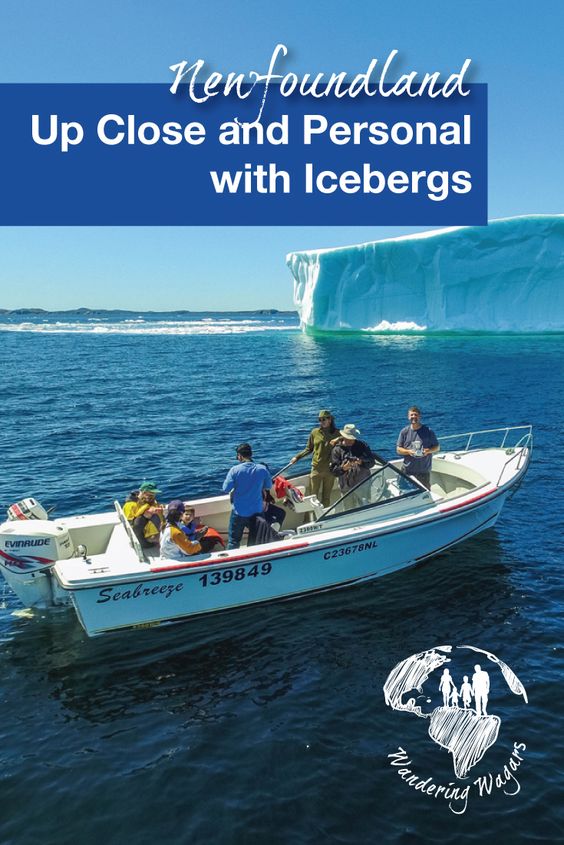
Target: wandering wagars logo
[[462, 724]]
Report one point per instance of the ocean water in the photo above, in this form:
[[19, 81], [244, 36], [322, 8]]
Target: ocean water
[[269, 725]]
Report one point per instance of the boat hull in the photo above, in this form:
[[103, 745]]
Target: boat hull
[[246, 577]]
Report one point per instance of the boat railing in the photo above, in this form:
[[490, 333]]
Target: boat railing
[[505, 434], [517, 440], [521, 455], [130, 533]]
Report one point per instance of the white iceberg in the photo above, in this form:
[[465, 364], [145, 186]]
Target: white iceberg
[[504, 277]]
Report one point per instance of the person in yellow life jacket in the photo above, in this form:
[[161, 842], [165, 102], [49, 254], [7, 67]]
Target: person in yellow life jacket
[[145, 515], [175, 544]]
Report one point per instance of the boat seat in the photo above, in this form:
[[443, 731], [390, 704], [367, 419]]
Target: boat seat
[[119, 545], [438, 490], [310, 504], [457, 491]]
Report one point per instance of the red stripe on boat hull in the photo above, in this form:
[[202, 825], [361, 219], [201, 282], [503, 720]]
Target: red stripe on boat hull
[[468, 501], [228, 559]]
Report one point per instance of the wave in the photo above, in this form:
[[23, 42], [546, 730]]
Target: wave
[[140, 327]]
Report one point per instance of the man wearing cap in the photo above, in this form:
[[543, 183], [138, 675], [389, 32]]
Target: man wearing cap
[[321, 479], [247, 480], [417, 443], [145, 515], [351, 460]]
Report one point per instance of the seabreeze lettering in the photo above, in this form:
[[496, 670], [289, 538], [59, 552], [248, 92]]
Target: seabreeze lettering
[[140, 591]]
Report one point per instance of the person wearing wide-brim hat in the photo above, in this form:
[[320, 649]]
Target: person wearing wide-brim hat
[[350, 432], [321, 479], [351, 458]]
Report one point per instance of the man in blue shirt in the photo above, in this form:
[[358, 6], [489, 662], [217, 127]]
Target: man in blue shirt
[[416, 442], [247, 480]]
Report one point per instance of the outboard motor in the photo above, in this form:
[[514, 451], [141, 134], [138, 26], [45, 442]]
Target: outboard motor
[[29, 546], [27, 509]]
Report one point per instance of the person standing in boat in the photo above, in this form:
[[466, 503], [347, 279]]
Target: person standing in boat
[[175, 544], [351, 461], [246, 480], [417, 443], [321, 479]]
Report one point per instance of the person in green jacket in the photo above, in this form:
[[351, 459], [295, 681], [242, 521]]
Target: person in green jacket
[[319, 446]]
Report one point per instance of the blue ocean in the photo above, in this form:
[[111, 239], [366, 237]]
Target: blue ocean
[[269, 725]]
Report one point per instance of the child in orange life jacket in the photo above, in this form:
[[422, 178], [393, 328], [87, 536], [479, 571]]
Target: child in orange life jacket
[[190, 525], [195, 531]]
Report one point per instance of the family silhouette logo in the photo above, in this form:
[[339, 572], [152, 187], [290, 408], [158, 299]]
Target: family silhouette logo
[[463, 724]]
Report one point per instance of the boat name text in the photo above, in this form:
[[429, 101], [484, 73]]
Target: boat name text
[[140, 591]]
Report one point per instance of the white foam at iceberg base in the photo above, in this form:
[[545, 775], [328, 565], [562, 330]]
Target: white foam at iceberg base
[[402, 326], [504, 277]]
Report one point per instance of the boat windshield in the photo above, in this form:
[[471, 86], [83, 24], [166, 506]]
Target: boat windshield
[[385, 484]]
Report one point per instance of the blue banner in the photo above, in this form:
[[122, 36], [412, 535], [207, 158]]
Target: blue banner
[[135, 155]]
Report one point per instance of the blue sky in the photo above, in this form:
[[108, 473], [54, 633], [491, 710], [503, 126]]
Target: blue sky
[[515, 47]]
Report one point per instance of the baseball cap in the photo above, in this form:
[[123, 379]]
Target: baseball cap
[[149, 487]]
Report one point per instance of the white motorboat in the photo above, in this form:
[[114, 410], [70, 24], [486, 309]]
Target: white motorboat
[[387, 523]]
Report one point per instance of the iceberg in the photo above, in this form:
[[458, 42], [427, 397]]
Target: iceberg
[[504, 277]]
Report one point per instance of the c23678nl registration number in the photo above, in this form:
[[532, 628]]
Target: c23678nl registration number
[[350, 550]]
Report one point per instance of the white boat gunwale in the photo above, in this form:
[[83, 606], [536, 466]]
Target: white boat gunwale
[[224, 559]]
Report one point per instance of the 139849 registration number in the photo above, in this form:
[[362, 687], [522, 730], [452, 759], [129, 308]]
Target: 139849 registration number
[[226, 575]]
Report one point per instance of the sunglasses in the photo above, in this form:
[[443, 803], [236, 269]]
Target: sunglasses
[[324, 418]]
